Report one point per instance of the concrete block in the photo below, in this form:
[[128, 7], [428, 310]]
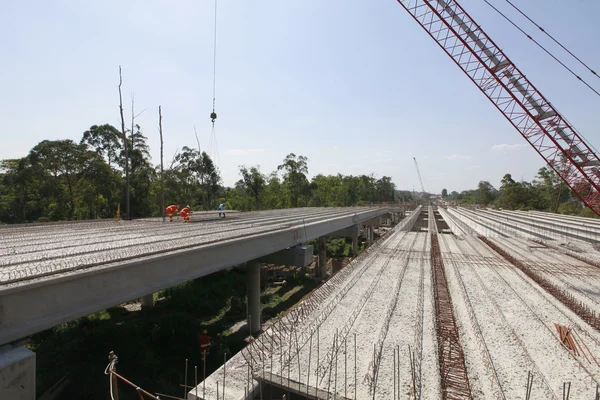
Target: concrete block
[[17, 373], [297, 256]]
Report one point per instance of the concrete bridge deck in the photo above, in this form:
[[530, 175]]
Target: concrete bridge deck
[[54, 273]]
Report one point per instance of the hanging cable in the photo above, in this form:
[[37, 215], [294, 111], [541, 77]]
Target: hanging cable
[[213, 115], [543, 48], [551, 37]]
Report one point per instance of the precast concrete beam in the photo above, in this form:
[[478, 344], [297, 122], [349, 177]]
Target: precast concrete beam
[[17, 369], [41, 304], [254, 315]]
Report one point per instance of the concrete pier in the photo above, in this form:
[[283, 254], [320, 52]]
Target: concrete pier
[[254, 318], [147, 301], [355, 240], [321, 266], [17, 369]]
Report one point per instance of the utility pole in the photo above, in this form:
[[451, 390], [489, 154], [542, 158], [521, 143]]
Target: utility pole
[[162, 172]]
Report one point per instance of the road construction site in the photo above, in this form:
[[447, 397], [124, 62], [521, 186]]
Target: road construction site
[[450, 303]]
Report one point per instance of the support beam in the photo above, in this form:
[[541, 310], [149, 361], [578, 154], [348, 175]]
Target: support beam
[[254, 318], [17, 369], [147, 301], [321, 267]]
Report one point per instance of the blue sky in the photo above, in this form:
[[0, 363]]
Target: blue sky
[[357, 86]]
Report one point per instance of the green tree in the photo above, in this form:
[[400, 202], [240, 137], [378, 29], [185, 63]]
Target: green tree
[[253, 182], [444, 193], [104, 140], [294, 176]]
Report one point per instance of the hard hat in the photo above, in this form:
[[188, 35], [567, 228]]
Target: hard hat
[[204, 331]]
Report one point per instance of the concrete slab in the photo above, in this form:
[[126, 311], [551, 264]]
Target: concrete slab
[[17, 373]]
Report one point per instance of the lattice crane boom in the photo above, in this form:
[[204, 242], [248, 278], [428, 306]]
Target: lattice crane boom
[[419, 174], [512, 93]]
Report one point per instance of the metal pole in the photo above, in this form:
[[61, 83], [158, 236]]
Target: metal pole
[[309, 359], [345, 367], [318, 360], [355, 387], [224, 368], [185, 379], [398, 370], [336, 358], [217, 389], [394, 374], [196, 380]]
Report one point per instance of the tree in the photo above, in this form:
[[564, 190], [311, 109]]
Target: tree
[[294, 177], [485, 193], [104, 140], [254, 181], [444, 193]]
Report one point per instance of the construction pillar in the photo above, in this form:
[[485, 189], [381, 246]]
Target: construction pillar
[[254, 319], [370, 233], [147, 301], [321, 267], [355, 229], [17, 369]]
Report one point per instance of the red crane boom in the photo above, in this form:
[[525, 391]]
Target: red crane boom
[[512, 93]]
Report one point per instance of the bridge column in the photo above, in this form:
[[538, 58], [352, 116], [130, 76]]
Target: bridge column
[[355, 229], [254, 318], [17, 369], [147, 301], [321, 267]]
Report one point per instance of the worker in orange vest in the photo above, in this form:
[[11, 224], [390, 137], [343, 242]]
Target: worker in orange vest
[[205, 344], [172, 209], [185, 214]]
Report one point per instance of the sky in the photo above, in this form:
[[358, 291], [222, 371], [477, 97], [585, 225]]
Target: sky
[[357, 86]]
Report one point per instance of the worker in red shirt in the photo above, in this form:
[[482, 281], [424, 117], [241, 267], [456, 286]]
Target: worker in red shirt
[[172, 209], [205, 344]]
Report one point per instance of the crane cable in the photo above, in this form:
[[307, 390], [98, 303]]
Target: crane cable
[[213, 115], [543, 48], [551, 37]]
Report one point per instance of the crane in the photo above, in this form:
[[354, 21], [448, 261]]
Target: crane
[[420, 179], [550, 134]]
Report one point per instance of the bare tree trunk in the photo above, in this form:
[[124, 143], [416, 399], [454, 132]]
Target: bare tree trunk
[[162, 178], [125, 144]]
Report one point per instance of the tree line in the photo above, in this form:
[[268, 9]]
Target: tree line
[[546, 192], [64, 180]]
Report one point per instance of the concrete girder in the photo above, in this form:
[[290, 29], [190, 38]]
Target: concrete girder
[[297, 256], [30, 308], [17, 368]]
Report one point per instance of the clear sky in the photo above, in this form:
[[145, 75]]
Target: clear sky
[[357, 86]]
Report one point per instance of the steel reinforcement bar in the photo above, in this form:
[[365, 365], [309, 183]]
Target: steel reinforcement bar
[[579, 308], [453, 370]]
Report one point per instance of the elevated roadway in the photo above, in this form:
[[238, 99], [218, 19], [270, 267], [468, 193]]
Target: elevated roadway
[[53, 273]]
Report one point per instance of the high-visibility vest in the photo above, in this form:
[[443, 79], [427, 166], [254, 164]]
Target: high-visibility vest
[[204, 343]]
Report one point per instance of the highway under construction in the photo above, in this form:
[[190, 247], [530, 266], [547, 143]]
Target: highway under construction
[[450, 303]]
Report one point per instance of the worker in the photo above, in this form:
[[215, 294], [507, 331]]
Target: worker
[[188, 212], [222, 208], [172, 209], [185, 215], [205, 344]]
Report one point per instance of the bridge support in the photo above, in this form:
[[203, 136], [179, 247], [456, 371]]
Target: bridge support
[[354, 237], [17, 369], [254, 317], [147, 301], [321, 266]]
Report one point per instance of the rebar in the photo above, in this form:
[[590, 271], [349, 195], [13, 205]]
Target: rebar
[[579, 308], [453, 371]]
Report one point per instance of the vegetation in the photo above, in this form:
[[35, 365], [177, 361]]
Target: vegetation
[[63, 180], [152, 345], [546, 192]]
